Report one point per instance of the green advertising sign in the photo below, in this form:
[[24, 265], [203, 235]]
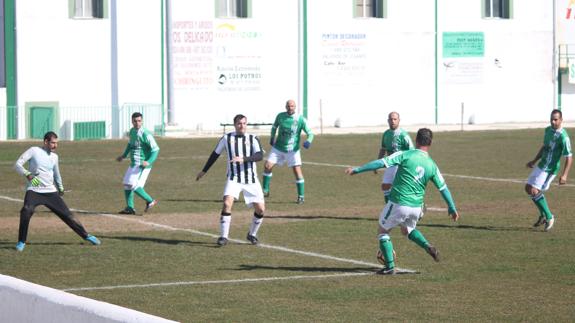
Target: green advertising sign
[[463, 44]]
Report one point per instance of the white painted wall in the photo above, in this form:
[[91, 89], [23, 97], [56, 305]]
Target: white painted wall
[[390, 65], [22, 301]]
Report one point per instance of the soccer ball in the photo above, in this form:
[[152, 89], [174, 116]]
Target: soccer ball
[[381, 260]]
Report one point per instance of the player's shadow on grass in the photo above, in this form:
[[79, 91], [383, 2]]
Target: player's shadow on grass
[[193, 200], [475, 227], [158, 240], [308, 269], [315, 217], [220, 201]]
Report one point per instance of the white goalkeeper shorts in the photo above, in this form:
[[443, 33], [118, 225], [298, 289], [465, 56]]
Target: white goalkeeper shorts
[[540, 179], [389, 175], [292, 158], [252, 192], [394, 215], [135, 177]]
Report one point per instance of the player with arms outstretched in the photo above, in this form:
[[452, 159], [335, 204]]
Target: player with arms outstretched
[[415, 170]]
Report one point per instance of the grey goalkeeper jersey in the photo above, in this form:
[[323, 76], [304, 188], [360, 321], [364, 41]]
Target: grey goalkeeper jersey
[[44, 166]]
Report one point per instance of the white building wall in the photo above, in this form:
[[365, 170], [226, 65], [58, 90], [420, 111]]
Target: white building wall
[[358, 69], [60, 59]]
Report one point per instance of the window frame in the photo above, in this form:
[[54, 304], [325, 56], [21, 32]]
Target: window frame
[[234, 9], [505, 7], [97, 9], [364, 9]]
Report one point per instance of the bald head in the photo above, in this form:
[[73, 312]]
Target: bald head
[[393, 120]]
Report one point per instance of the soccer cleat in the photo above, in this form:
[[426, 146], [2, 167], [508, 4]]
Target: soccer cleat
[[266, 193], [20, 246], [93, 240], [386, 271], [151, 205], [252, 239], [300, 200], [434, 253], [540, 221], [549, 224], [128, 210], [222, 241]]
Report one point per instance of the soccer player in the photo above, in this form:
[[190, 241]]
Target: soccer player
[[143, 151], [556, 143], [285, 148], [393, 140], [243, 151], [44, 186], [415, 170]]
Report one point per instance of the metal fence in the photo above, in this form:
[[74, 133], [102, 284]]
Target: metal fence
[[77, 122]]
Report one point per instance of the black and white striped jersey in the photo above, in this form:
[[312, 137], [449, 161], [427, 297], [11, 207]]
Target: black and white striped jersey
[[243, 146]]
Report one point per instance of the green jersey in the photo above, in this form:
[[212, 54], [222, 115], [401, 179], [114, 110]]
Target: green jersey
[[396, 140], [141, 147], [289, 128], [415, 170], [556, 144]]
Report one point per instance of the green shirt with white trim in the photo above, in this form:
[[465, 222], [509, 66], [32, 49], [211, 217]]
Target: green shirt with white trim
[[556, 144], [396, 140], [141, 147], [289, 128]]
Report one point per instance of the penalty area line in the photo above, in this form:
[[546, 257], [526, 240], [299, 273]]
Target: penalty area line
[[213, 282]]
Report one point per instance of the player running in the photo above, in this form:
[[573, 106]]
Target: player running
[[556, 143], [143, 151], [415, 170], [285, 148]]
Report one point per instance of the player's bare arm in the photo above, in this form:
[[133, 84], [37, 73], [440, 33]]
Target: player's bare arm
[[532, 163], [566, 168]]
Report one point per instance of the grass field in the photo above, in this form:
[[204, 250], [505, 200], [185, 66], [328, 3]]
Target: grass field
[[316, 261]]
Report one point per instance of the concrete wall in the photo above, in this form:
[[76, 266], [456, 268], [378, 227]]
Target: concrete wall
[[22, 301]]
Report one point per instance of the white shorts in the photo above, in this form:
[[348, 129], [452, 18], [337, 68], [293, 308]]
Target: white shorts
[[252, 192], [389, 175], [293, 158], [540, 179], [135, 177], [394, 215]]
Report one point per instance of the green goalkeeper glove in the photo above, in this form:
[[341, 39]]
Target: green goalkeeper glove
[[35, 181], [61, 190]]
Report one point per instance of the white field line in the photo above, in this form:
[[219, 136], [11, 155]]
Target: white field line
[[211, 282], [488, 179], [261, 245]]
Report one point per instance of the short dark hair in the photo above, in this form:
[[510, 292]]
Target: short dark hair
[[136, 114], [557, 111], [49, 135], [424, 137], [239, 117]]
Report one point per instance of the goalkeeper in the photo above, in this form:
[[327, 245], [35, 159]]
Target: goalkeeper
[[415, 170], [44, 187]]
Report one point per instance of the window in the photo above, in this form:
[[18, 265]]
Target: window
[[369, 8], [87, 9], [497, 9], [233, 9]]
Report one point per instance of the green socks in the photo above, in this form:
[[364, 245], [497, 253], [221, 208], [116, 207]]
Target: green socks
[[418, 238], [267, 180], [129, 194], [542, 206], [386, 248], [300, 183], [141, 193]]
